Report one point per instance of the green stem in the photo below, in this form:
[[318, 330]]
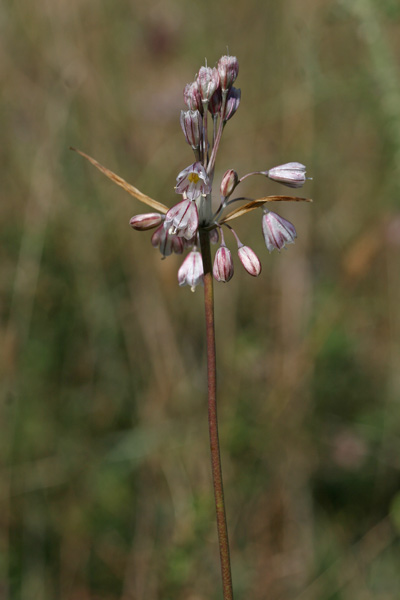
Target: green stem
[[212, 418]]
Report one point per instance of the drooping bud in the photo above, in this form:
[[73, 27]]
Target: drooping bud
[[232, 103], [166, 242], [192, 98], [214, 236], [228, 183], [146, 221], [214, 106], [208, 81], [249, 260], [291, 174], [191, 270], [228, 69], [182, 219], [277, 231], [192, 127], [223, 265]]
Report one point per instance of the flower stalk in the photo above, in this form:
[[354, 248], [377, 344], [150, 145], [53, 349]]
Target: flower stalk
[[212, 418], [197, 220]]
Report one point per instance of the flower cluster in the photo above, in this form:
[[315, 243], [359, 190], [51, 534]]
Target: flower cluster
[[212, 100]]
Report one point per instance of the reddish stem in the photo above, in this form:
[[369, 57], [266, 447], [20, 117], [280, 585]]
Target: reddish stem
[[212, 418]]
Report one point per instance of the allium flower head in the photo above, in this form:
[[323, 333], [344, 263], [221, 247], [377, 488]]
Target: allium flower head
[[197, 219], [193, 182]]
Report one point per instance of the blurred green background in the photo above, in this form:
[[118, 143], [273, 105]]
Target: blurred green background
[[105, 487]]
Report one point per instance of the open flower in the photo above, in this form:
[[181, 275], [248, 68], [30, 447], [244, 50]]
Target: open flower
[[166, 242], [277, 231], [182, 219], [191, 270], [193, 182]]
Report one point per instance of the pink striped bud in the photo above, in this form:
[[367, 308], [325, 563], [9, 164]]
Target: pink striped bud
[[208, 81], [249, 260], [291, 174], [223, 265], [232, 103], [192, 126], [146, 221], [214, 106], [228, 183], [166, 242], [192, 98], [277, 231], [228, 69]]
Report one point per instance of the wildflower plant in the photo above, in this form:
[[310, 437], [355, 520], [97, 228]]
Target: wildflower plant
[[198, 219]]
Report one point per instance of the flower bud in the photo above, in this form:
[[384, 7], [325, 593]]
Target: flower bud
[[228, 183], [167, 242], [208, 81], [223, 265], [146, 221], [191, 96], [277, 231], [214, 236], [232, 103], [192, 127], [249, 260], [228, 69], [291, 174], [214, 106], [191, 270]]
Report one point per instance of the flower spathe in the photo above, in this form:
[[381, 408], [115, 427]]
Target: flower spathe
[[277, 231], [191, 270], [193, 182]]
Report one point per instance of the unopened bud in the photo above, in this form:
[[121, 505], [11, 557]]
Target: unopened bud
[[249, 260], [223, 265], [228, 69], [208, 81], [228, 183], [232, 103], [146, 221], [291, 174], [277, 231], [191, 96], [192, 126], [167, 242], [214, 106]]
